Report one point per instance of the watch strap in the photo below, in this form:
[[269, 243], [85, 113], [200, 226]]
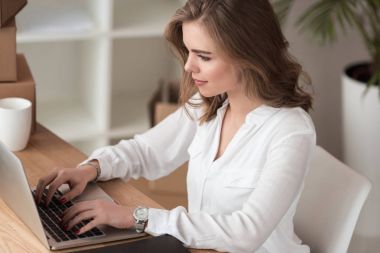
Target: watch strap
[[140, 224]]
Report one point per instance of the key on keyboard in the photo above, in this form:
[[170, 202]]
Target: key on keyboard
[[50, 217]]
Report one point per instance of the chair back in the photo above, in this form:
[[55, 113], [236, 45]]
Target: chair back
[[330, 204]]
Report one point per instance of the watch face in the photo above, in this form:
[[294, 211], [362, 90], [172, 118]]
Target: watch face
[[141, 213]]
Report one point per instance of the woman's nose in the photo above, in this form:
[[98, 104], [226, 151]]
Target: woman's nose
[[190, 66]]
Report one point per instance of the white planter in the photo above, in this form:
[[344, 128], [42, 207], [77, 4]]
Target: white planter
[[361, 151]]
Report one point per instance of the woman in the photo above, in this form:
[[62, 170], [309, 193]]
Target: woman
[[243, 126]]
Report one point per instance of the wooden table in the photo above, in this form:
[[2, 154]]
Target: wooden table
[[44, 152]]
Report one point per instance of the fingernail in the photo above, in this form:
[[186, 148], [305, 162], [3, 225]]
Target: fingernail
[[63, 200], [77, 232]]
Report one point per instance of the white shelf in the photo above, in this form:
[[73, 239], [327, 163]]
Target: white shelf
[[130, 115], [46, 36], [131, 33], [57, 68], [49, 18], [96, 64], [58, 115], [139, 64], [142, 18]]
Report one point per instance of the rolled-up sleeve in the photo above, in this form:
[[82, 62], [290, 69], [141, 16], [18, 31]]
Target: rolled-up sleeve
[[153, 154]]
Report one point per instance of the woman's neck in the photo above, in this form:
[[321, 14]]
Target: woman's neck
[[240, 105]]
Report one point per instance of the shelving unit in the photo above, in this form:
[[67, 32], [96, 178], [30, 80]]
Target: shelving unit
[[148, 18], [96, 64]]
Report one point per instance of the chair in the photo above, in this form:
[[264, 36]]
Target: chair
[[330, 204]]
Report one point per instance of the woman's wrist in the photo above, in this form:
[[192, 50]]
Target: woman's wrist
[[141, 217], [92, 169]]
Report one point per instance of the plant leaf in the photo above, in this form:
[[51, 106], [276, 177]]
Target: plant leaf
[[319, 19], [282, 9]]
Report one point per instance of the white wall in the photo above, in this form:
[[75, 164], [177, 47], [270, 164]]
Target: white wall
[[324, 64]]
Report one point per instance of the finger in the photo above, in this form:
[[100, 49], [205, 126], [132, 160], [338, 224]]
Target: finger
[[43, 182], [69, 213], [74, 192], [86, 215], [88, 226], [53, 187]]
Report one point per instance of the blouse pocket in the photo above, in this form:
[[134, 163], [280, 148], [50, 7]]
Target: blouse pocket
[[242, 179]]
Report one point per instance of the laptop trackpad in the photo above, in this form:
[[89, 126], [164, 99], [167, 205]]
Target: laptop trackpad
[[92, 192]]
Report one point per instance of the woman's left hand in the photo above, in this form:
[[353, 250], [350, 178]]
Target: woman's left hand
[[100, 212]]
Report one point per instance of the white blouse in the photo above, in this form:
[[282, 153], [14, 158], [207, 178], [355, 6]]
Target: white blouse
[[242, 202]]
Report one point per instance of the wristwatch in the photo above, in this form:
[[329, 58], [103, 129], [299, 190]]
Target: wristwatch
[[141, 218]]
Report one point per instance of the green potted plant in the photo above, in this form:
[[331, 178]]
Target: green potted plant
[[360, 92], [323, 19]]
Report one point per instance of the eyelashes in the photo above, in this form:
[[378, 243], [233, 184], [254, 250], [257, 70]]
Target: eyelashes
[[204, 58], [200, 56]]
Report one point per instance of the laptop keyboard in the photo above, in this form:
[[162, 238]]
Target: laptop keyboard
[[51, 220]]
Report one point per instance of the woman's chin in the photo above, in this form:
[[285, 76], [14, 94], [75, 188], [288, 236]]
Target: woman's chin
[[207, 93]]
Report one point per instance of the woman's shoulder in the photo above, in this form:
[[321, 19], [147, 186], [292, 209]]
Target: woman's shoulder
[[289, 123], [293, 120], [296, 117]]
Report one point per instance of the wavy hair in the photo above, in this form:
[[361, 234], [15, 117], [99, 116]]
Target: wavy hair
[[249, 32]]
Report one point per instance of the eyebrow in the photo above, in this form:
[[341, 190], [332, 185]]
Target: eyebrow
[[200, 51]]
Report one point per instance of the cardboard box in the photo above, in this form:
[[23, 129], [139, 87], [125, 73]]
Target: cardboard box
[[162, 110], [9, 9], [8, 52], [24, 87], [166, 93]]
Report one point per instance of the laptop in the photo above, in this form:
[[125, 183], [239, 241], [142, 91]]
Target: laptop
[[41, 220]]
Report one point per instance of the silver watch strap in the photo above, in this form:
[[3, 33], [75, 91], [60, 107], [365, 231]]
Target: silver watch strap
[[140, 226]]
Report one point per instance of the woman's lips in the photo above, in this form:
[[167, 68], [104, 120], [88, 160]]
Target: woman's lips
[[199, 82]]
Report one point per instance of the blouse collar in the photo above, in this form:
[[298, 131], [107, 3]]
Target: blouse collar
[[255, 117]]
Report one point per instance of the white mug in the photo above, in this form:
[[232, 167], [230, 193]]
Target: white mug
[[15, 122]]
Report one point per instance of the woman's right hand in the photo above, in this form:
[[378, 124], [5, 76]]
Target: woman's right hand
[[76, 178]]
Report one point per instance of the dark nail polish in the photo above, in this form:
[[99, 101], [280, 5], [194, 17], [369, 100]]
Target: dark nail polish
[[63, 200]]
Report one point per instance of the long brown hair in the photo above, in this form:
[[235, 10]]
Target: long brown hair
[[249, 33]]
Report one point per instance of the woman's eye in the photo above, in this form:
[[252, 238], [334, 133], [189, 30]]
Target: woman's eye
[[204, 58]]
